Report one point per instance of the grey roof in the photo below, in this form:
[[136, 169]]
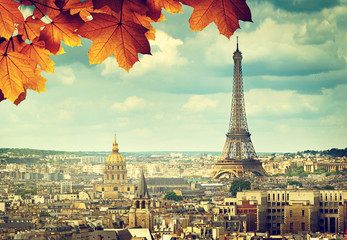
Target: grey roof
[[142, 191], [167, 181]]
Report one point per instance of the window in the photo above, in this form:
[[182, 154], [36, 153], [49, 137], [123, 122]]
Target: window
[[278, 196], [303, 226], [117, 167], [102, 189], [128, 189], [268, 197], [287, 196], [112, 176], [118, 176], [291, 213], [115, 189], [291, 227], [303, 213]]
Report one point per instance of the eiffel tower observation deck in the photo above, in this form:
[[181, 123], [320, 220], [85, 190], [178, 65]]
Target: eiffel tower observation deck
[[238, 156]]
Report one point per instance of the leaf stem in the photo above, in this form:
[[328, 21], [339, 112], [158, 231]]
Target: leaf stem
[[121, 13], [45, 5], [8, 44]]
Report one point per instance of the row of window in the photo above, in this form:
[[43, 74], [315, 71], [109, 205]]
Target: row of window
[[325, 196], [112, 177], [330, 204], [275, 210], [328, 210], [112, 167], [330, 196]]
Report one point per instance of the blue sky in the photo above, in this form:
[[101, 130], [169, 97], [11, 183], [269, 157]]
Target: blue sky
[[178, 99]]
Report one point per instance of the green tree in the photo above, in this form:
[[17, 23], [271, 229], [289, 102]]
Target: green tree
[[238, 185], [328, 187], [297, 183], [44, 214], [171, 195]]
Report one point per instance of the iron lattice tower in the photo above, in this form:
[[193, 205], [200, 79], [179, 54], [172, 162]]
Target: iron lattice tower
[[238, 155]]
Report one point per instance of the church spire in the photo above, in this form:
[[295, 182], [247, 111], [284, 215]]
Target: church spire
[[142, 191], [115, 144]]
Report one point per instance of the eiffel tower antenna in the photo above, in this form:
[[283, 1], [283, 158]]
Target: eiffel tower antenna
[[238, 155]]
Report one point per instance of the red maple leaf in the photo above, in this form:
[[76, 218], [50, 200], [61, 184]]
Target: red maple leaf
[[37, 52], [9, 16], [30, 28], [225, 13], [62, 28], [155, 7], [110, 35]]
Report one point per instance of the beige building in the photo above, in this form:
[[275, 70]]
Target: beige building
[[115, 176], [140, 214]]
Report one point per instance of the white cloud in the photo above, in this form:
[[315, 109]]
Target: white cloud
[[65, 74], [129, 104], [166, 56], [287, 102], [141, 132], [198, 103], [64, 116]]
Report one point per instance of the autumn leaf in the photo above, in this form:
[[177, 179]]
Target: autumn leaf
[[17, 74], [30, 28], [124, 6], [62, 28], [225, 13], [155, 7], [42, 8], [2, 98], [110, 36], [37, 52], [9, 16], [117, 27]]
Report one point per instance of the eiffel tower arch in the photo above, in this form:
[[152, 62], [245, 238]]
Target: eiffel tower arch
[[238, 156]]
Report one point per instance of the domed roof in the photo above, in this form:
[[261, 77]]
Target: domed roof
[[115, 157]]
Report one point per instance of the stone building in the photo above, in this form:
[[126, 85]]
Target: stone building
[[115, 176], [140, 214]]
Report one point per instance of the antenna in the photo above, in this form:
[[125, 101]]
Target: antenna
[[237, 43]]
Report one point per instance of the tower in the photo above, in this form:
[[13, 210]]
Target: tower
[[238, 155], [115, 176], [140, 214], [115, 167]]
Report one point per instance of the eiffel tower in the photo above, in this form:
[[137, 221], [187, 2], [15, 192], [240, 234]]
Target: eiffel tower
[[238, 156]]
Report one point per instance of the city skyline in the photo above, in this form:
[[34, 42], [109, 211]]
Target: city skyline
[[178, 99]]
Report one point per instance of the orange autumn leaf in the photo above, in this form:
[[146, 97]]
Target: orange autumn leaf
[[62, 28], [225, 13], [110, 36], [30, 28], [117, 27], [155, 6], [16, 74], [9, 16], [37, 52]]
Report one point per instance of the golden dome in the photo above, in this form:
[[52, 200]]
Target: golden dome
[[115, 157]]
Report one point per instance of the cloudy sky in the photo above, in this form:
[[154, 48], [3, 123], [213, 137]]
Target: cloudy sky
[[178, 99]]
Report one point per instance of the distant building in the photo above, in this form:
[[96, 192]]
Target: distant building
[[140, 214], [115, 176]]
